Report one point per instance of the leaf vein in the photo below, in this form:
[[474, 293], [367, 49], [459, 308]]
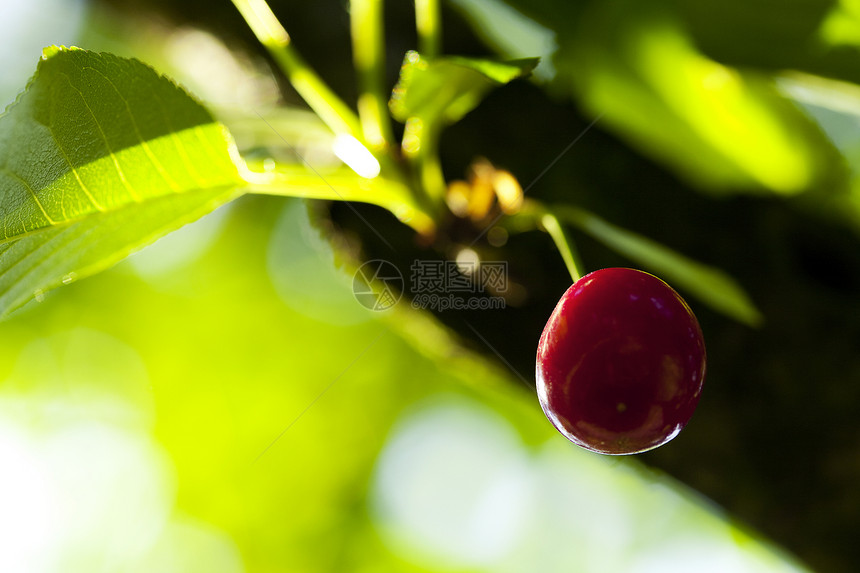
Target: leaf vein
[[174, 186], [135, 197], [180, 146], [8, 171], [77, 175]]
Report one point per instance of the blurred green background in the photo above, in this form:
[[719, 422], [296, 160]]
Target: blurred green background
[[220, 402]]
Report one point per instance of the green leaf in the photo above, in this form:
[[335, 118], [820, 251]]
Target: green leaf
[[712, 286], [62, 254], [717, 126], [99, 156], [667, 77], [509, 32], [446, 89]]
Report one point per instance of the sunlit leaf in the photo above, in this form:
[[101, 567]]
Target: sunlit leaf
[[650, 71], [715, 125], [99, 156], [62, 254], [511, 33], [710, 285], [446, 89]]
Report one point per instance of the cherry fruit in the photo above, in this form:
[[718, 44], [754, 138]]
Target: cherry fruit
[[620, 363]]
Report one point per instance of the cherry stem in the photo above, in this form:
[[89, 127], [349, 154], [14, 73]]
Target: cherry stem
[[534, 214], [421, 141], [368, 49], [428, 23], [327, 105], [371, 128], [563, 243]]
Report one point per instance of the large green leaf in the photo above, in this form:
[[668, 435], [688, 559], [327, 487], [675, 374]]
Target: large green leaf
[[661, 76], [63, 253], [446, 89], [99, 156], [715, 125]]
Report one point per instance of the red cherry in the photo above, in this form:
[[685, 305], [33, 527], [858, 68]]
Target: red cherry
[[621, 362]]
